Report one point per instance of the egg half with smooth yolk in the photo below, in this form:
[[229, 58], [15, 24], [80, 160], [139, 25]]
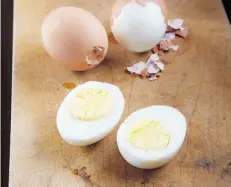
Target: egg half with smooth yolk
[[89, 113], [152, 136]]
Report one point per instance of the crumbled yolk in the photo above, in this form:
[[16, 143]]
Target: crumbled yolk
[[91, 104], [149, 135]]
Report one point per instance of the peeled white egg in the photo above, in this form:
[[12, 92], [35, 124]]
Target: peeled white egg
[[152, 136], [89, 113], [138, 26]]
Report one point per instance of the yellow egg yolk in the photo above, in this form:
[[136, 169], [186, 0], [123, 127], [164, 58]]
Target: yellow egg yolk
[[91, 104], [149, 135]]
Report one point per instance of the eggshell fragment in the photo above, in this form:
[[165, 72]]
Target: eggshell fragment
[[175, 23], [148, 69], [174, 47], [153, 57], [95, 55], [137, 68], [183, 32], [157, 50], [152, 77], [160, 65], [176, 26], [170, 36], [153, 68]]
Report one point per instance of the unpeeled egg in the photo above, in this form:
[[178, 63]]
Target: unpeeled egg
[[75, 38]]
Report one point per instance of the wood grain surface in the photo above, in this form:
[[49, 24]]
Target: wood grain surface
[[197, 81]]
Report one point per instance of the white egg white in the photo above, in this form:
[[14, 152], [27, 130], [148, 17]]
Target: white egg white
[[139, 28], [81, 132], [171, 118]]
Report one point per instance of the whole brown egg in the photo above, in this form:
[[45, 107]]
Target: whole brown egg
[[74, 38]]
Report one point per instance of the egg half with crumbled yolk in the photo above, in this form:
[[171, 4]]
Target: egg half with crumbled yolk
[[89, 113], [152, 136]]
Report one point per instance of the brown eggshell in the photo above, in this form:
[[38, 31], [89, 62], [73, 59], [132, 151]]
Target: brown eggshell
[[70, 35]]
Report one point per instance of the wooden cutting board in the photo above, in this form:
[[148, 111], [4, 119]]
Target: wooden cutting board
[[197, 81]]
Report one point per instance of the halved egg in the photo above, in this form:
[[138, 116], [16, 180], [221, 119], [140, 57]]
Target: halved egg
[[89, 113], [151, 136]]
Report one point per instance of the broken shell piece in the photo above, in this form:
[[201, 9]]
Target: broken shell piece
[[149, 69], [153, 57], [176, 23], [176, 26], [152, 77], [161, 53], [182, 28], [174, 47], [159, 64], [137, 68], [169, 43], [165, 44], [170, 36], [95, 55], [169, 29], [153, 68], [182, 32], [156, 50]]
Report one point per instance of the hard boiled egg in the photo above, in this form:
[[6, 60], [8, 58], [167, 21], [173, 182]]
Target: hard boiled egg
[[74, 38], [151, 136], [138, 25], [89, 112]]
